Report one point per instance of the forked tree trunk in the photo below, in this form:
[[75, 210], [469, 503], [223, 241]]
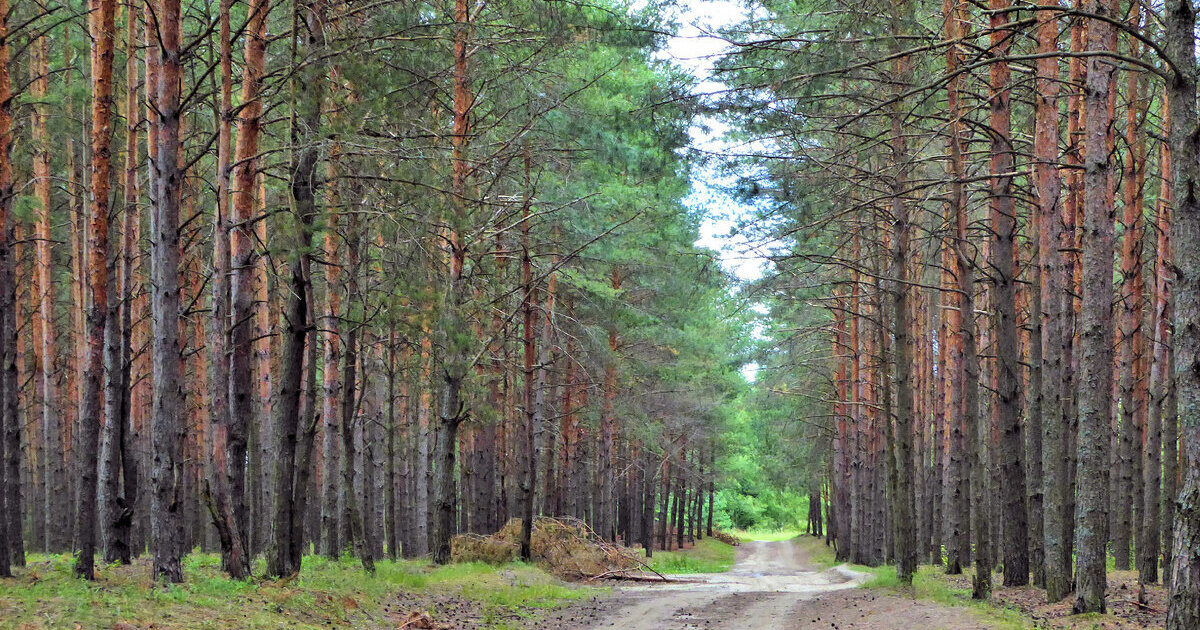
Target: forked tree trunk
[[225, 471], [91, 403], [116, 512], [292, 437], [243, 416]]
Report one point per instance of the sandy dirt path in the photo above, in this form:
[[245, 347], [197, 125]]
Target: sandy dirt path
[[773, 586]]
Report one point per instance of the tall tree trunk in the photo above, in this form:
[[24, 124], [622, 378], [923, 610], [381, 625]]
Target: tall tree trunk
[[1130, 309], [605, 471], [331, 544], [391, 527], [8, 359], [452, 319], [973, 421], [91, 409], [289, 455], [1054, 465], [1160, 444], [1152, 477], [905, 482], [1095, 371], [957, 494], [54, 505], [1003, 306], [1180, 21], [225, 471], [243, 416], [167, 431], [528, 457]]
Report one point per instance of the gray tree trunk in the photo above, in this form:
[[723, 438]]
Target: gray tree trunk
[[1180, 18]]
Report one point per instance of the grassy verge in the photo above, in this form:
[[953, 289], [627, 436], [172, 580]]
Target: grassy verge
[[769, 535], [708, 556], [327, 593], [929, 584]]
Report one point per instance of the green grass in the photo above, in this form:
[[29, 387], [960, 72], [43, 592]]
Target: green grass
[[327, 592], [708, 556], [929, 583], [771, 535]]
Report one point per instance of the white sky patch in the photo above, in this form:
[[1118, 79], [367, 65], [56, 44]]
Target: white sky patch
[[696, 50]]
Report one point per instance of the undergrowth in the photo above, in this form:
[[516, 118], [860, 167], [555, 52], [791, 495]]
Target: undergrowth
[[326, 593], [768, 535], [708, 556], [929, 584]]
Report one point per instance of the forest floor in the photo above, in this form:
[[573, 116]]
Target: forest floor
[[1125, 611], [780, 584], [404, 594]]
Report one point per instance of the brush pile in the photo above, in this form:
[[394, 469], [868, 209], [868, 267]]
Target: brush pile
[[726, 538], [565, 547]]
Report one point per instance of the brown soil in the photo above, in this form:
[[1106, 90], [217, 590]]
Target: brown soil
[[1125, 611]]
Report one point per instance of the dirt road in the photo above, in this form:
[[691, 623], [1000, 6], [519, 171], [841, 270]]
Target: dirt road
[[773, 586]]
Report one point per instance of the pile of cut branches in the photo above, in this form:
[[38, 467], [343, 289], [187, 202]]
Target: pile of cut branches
[[565, 547]]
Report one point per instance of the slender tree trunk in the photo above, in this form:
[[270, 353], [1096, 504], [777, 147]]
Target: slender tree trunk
[[958, 490], [234, 553], [91, 408], [390, 495], [904, 513], [1157, 509], [1052, 266], [331, 543], [167, 431], [8, 359], [1131, 312], [527, 449], [1095, 372], [1180, 20], [1003, 306], [53, 471], [605, 473], [242, 270], [455, 358]]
